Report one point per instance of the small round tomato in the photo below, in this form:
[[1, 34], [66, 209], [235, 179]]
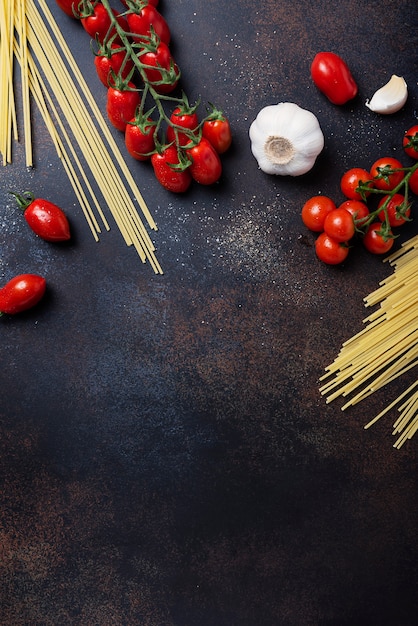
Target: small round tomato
[[339, 225], [332, 76], [121, 104], [21, 293], [397, 210], [314, 212], [169, 172], [410, 142], [217, 129], [185, 117], [206, 167], [386, 173], [358, 209], [330, 251], [351, 180], [413, 182], [376, 240]]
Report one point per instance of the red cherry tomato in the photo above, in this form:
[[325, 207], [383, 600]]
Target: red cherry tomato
[[164, 164], [358, 210], [384, 175], [330, 251], [139, 138], [351, 180], [332, 76], [206, 167], [143, 19], [217, 129], [376, 241], [45, 218], [413, 182], [109, 62], [21, 293], [122, 104], [410, 142], [339, 225], [314, 212], [98, 23], [165, 76], [397, 210], [185, 117]]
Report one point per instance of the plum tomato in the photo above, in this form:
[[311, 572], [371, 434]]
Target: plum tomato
[[183, 117], [162, 72], [351, 180], [413, 182], [122, 104], [139, 137], [206, 166], [97, 23], [410, 142], [397, 210], [21, 293], [44, 218], [386, 173], [315, 210], [169, 172], [329, 250], [358, 209], [110, 61], [217, 130], [333, 78], [339, 225], [376, 240]]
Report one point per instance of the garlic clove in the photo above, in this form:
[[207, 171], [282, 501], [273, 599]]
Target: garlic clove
[[389, 98]]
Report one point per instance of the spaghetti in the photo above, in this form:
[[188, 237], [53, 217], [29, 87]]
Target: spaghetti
[[386, 348]]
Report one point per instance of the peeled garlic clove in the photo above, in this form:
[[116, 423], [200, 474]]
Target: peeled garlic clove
[[389, 98]]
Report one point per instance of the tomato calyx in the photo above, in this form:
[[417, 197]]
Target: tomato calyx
[[184, 161], [24, 200]]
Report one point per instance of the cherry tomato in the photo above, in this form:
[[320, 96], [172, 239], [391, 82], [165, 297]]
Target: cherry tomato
[[314, 212], [339, 225], [376, 241], [187, 118], [139, 138], [98, 23], [330, 251], [68, 6], [350, 181], [397, 211], [332, 76], [45, 218], [109, 62], [206, 167], [143, 19], [410, 142], [383, 174], [121, 104], [21, 293], [217, 129], [176, 180], [165, 76], [358, 210], [413, 182]]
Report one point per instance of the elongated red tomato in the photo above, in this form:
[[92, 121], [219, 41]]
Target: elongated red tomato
[[162, 71], [112, 61], [332, 76], [121, 104], [169, 172], [145, 18], [206, 167], [218, 132], [46, 219], [183, 117], [21, 293], [139, 138], [98, 23]]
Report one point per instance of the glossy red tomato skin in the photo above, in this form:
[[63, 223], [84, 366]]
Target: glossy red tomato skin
[[47, 220], [389, 181], [413, 182], [218, 132], [394, 204], [351, 179], [139, 140], [189, 121], [410, 142], [314, 212], [330, 251], [160, 57], [374, 242], [173, 180], [108, 64], [121, 105], [358, 209], [21, 293], [68, 6], [332, 76], [339, 225], [97, 25], [206, 167], [140, 24]]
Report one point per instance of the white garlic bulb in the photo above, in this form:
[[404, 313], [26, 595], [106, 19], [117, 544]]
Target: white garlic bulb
[[389, 98], [286, 139]]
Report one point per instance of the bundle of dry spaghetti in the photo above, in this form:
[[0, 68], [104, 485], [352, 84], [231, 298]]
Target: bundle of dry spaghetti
[[84, 143], [386, 348]]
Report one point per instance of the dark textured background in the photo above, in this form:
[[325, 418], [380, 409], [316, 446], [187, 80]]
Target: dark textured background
[[166, 458]]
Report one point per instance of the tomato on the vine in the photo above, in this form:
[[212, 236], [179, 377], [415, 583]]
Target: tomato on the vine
[[410, 142], [330, 250], [169, 171], [413, 182], [332, 76], [121, 104], [378, 240], [206, 167], [46, 219], [21, 293], [112, 61], [358, 209], [98, 23], [314, 212], [162, 73], [386, 173], [185, 117], [217, 129], [145, 19], [397, 210], [339, 225], [139, 138], [351, 180]]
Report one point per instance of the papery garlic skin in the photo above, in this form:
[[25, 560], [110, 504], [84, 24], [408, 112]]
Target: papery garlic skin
[[286, 139], [390, 98]]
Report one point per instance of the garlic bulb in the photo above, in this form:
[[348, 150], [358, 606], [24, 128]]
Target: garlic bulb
[[286, 139], [389, 98]]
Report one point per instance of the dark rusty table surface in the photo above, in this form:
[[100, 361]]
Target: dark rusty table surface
[[166, 457]]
